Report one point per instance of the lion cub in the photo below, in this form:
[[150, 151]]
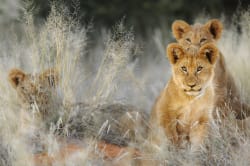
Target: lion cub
[[192, 37], [35, 91], [185, 105]]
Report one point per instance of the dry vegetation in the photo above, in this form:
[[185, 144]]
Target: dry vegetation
[[115, 69]]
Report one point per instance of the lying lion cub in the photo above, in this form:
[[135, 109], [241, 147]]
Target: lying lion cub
[[113, 125], [118, 121], [185, 105]]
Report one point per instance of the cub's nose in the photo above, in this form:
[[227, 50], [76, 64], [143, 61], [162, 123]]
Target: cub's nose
[[191, 85]]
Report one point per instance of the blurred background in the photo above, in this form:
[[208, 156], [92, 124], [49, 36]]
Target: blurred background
[[142, 15]]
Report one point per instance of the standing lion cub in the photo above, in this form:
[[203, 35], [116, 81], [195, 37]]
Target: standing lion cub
[[192, 37], [185, 106]]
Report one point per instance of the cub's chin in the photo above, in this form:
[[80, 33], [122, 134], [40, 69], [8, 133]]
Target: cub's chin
[[194, 93]]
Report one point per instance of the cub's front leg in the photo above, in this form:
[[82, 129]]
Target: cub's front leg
[[169, 123], [198, 132]]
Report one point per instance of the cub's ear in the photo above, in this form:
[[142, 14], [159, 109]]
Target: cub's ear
[[215, 27], [15, 77], [174, 52], [179, 27], [210, 52], [50, 76]]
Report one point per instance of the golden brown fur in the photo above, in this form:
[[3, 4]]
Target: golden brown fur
[[185, 105], [192, 37]]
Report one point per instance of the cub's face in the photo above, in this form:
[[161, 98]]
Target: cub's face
[[34, 90], [192, 72], [192, 37]]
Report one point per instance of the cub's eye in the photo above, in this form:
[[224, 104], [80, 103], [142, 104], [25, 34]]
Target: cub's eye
[[183, 68], [188, 40], [199, 68], [203, 40]]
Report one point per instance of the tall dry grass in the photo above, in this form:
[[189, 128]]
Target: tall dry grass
[[118, 68]]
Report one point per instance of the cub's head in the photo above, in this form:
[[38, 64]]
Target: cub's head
[[195, 36], [193, 73], [34, 90]]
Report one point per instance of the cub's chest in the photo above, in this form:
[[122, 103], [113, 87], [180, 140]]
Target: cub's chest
[[192, 114], [189, 113]]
